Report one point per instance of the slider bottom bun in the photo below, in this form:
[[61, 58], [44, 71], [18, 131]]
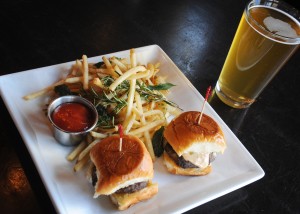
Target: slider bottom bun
[[125, 200], [173, 168]]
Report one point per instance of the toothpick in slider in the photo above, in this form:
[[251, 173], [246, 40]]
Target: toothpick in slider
[[120, 129], [208, 92]]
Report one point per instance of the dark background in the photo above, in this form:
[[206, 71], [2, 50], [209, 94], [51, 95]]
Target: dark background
[[196, 35]]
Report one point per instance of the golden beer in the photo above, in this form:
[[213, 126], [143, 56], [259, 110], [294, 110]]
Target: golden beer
[[264, 41]]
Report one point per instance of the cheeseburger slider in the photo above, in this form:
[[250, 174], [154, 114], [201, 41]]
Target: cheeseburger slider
[[124, 173], [190, 147]]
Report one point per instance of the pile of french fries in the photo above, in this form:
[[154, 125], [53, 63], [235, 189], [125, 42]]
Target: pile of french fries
[[139, 118]]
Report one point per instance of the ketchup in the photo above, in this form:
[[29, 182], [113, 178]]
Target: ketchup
[[73, 117]]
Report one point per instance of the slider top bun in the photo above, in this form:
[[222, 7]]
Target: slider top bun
[[185, 135], [118, 169]]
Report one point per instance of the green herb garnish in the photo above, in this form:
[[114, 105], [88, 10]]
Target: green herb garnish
[[105, 120], [109, 99], [98, 64], [157, 142], [62, 90], [152, 95], [164, 86]]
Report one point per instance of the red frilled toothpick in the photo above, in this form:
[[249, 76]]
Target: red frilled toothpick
[[120, 129], [208, 93]]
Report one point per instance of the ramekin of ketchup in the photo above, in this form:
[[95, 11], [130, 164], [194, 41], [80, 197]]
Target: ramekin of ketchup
[[72, 118]]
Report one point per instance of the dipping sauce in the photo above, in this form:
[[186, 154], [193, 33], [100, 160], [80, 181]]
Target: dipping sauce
[[73, 117]]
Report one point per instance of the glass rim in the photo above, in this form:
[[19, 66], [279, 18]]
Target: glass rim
[[281, 7]]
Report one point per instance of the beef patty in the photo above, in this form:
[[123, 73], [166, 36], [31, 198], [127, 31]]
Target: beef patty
[[180, 161], [129, 189]]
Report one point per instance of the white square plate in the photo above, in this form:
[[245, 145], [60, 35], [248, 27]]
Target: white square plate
[[71, 192]]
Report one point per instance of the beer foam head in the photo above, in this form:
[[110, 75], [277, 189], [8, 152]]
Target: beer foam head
[[279, 27]]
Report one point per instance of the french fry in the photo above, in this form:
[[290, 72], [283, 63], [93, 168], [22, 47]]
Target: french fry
[[132, 58], [130, 97], [96, 81], [99, 70], [150, 67], [112, 130], [129, 122], [154, 112], [117, 62], [136, 123], [73, 80], [43, 91], [76, 151], [147, 127], [37, 94], [81, 163], [147, 141], [106, 62], [140, 75], [148, 144], [118, 70], [113, 73], [127, 74], [85, 70], [79, 65], [109, 68], [97, 134], [86, 151], [136, 111]]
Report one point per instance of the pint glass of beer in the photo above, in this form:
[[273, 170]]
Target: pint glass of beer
[[267, 36]]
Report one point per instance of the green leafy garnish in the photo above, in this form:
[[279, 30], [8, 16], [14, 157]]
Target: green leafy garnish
[[98, 64], [63, 90], [164, 86], [157, 142]]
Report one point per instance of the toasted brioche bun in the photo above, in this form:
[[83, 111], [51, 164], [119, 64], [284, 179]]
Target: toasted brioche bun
[[125, 200], [173, 168], [185, 135], [118, 169]]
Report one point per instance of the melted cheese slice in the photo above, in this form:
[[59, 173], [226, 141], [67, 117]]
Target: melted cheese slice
[[199, 159]]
